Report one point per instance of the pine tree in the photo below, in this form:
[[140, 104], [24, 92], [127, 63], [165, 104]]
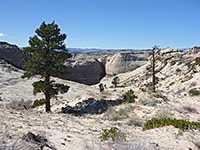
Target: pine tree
[[47, 54]]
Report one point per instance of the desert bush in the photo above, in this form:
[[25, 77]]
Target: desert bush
[[128, 108], [181, 124], [190, 109], [197, 61], [129, 96], [163, 115], [172, 83], [115, 81], [134, 122], [113, 134], [101, 87], [178, 70], [21, 104], [194, 92], [148, 102], [114, 115], [39, 102]]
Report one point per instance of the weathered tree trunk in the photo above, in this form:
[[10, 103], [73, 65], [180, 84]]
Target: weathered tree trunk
[[153, 70], [47, 96]]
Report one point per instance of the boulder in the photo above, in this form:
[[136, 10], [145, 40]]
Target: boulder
[[11, 54], [125, 61], [87, 71]]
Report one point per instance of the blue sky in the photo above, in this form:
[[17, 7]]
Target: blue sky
[[106, 23]]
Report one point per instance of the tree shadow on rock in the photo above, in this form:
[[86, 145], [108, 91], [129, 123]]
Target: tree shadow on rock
[[90, 106]]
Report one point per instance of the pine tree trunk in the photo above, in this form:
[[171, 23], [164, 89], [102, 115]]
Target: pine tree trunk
[[47, 96]]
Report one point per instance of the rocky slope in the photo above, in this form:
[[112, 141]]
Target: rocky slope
[[87, 67], [92, 111], [11, 54]]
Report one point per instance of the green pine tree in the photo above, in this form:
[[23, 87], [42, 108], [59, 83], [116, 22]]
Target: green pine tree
[[47, 54]]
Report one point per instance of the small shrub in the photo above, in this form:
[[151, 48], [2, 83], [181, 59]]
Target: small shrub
[[190, 109], [101, 87], [135, 121], [163, 115], [148, 102], [19, 105], [178, 70], [181, 124], [115, 81], [113, 133], [172, 83], [40, 102], [194, 92], [197, 61], [115, 115], [129, 96], [143, 90]]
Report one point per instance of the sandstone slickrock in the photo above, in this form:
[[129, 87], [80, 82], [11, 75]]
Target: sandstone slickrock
[[11, 54], [126, 61], [87, 71]]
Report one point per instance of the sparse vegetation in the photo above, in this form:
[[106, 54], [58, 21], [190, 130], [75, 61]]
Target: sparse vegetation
[[134, 122], [181, 124], [101, 87], [114, 115], [39, 102], [194, 92], [197, 61], [113, 134], [172, 83], [178, 70], [21, 104], [163, 115], [148, 102], [129, 96], [190, 109], [115, 81]]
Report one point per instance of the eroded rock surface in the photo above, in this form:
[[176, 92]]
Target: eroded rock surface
[[126, 61], [11, 54], [87, 71]]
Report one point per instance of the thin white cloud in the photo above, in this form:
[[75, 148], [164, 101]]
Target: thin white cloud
[[2, 35], [72, 39]]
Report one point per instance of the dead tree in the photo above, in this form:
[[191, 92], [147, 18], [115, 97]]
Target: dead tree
[[153, 68]]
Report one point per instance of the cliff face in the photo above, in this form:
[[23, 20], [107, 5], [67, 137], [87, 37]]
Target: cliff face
[[126, 61], [11, 54], [88, 71]]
